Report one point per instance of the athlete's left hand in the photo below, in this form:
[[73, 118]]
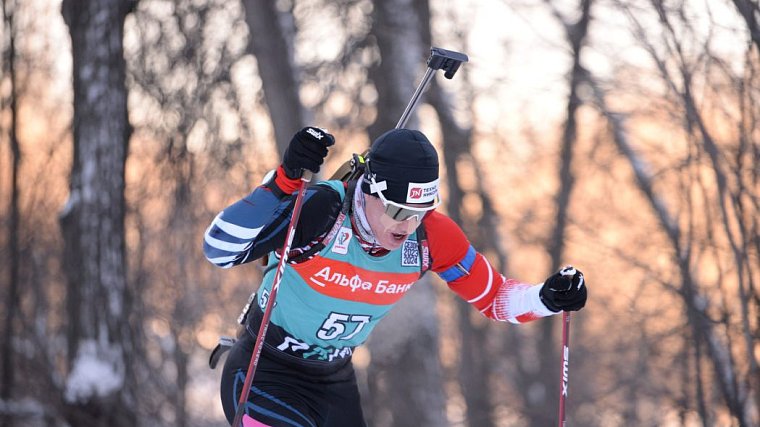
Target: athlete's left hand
[[565, 290]]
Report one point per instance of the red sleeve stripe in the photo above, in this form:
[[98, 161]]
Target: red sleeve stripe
[[480, 286], [486, 311], [489, 282]]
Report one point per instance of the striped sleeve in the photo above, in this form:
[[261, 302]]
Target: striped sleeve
[[471, 276], [258, 223], [229, 240]]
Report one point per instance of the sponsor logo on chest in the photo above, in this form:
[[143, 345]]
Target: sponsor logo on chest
[[339, 279], [342, 239]]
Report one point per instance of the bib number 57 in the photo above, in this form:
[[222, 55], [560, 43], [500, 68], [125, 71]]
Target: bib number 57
[[337, 324]]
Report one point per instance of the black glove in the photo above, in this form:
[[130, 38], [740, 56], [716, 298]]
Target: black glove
[[565, 290], [307, 150]]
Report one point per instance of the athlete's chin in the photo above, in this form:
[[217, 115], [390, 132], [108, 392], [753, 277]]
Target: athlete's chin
[[393, 241]]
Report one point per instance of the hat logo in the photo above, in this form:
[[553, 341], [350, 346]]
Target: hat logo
[[422, 192]]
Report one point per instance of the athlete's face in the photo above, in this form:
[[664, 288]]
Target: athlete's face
[[389, 233]]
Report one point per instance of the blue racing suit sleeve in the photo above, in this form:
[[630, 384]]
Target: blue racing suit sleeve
[[257, 224]]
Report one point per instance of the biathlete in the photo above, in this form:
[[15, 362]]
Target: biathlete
[[359, 246]]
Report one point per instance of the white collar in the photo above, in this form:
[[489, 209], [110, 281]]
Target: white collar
[[362, 224]]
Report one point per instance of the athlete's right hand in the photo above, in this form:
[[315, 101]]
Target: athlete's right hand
[[307, 150]]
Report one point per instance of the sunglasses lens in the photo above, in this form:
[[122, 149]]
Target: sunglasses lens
[[398, 213], [406, 226]]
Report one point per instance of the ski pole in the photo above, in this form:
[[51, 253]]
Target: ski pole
[[565, 362], [237, 421]]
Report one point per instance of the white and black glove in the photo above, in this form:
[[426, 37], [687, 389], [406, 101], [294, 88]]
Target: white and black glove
[[307, 150], [565, 290]]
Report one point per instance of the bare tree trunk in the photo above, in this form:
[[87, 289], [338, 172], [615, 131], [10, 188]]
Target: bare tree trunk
[[576, 35], [475, 366], [548, 370], [181, 362], [93, 219], [404, 376], [402, 60], [11, 307], [271, 42], [747, 210]]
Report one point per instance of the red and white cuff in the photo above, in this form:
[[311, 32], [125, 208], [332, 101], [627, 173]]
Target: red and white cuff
[[517, 302]]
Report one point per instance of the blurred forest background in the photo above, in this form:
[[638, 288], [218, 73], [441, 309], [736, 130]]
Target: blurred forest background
[[622, 136]]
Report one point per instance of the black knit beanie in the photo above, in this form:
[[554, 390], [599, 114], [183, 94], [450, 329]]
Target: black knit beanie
[[405, 166]]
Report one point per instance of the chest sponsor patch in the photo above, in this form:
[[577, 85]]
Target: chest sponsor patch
[[410, 254], [339, 279], [342, 239]]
